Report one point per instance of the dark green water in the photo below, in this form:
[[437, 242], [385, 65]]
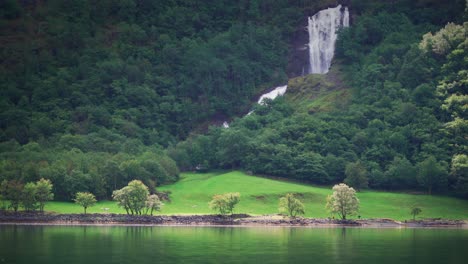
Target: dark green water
[[262, 245]]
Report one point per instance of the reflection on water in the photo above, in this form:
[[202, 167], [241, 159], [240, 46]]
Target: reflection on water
[[137, 244]]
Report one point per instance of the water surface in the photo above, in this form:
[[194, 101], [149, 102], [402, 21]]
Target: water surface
[[139, 244]]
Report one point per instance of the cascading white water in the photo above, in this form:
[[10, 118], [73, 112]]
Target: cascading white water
[[322, 29], [278, 91]]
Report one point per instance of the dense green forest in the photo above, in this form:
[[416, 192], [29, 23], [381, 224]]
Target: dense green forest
[[403, 127], [93, 91], [97, 93]]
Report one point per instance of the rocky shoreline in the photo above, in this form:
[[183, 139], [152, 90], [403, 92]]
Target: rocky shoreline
[[213, 220]]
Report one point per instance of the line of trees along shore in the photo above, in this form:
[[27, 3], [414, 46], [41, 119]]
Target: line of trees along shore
[[31, 196], [94, 94], [137, 199]]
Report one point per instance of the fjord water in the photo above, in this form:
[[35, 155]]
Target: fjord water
[[140, 244]]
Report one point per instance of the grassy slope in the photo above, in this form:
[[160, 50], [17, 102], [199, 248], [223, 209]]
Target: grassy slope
[[315, 93], [260, 196]]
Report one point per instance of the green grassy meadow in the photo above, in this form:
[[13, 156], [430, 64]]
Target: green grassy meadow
[[259, 196]]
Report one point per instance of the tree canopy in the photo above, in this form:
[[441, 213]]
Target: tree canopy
[[132, 197], [85, 199], [343, 201], [291, 205]]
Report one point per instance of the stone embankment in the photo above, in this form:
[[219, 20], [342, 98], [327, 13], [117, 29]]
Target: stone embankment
[[237, 219]]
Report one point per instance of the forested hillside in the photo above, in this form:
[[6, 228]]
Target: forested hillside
[[401, 125], [94, 94], [93, 91]]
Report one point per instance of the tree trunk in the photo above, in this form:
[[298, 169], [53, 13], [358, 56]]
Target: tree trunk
[[84, 210]]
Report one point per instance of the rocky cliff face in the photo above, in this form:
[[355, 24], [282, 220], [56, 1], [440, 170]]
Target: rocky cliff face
[[298, 52]]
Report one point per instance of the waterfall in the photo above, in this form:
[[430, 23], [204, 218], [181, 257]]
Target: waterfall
[[322, 29], [278, 91]]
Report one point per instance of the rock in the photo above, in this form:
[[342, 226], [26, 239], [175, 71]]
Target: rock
[[237, 219]]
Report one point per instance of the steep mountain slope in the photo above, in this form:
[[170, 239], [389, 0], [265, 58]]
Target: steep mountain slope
[[96, 93], [387, 130], [91, 92]]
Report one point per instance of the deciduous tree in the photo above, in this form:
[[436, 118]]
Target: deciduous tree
[[459, 173], [28, 197], [43, 192], [132, 197], [225, 203], [431, 174], [291, 205], [356, 175], [343, 201], [14, 190], [153, 203], [85, 199], [415, 211]]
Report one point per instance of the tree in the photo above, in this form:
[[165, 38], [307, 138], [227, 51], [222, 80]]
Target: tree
[[153, 203], [123, 200], [14, 190], [310, 166], [28, 197], [85, 199], [225, 203], [3, 193], [43, 192], [459, 173], [232, 145], [400, 174], [415, 211], [291, 205], [132, 197], [431, 174], [343, 201], [444, 40], [356, 175]]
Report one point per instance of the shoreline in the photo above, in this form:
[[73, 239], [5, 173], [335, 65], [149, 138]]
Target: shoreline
[[239, 220]]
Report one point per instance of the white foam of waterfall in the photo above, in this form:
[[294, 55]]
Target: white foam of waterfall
[[278, 91], [322, 28]]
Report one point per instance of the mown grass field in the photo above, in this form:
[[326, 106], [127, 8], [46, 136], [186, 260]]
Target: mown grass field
[[259, 196]]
